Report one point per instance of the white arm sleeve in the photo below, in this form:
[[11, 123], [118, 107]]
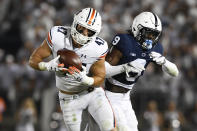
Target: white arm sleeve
[[113, 70], [170, 68]]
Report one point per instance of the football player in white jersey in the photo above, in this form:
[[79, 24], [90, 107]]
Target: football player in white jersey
[[78, 91], [130, 55]]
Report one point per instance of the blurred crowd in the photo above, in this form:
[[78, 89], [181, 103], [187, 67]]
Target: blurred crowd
[[28, 100]]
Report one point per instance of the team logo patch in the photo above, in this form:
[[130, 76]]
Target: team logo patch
[[143, 54]]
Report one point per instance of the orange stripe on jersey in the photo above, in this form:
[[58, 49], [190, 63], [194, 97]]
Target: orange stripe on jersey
[[92, 16], [49, 38]]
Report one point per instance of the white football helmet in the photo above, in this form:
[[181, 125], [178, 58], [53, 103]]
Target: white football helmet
[[88, 18], [147, 29]]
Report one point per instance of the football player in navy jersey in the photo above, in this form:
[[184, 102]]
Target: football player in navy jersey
[[129, 56]]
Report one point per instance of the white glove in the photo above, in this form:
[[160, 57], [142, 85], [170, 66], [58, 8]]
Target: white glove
[[158, 58], [81, 75], [51, 65], [133, 66]]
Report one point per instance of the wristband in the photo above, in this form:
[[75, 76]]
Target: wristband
[[42, 66], [88, 81]]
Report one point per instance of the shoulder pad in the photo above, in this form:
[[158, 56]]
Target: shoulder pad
[[56, 34]]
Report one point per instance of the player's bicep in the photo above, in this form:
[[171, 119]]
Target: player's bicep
[[42, 52], [114, 56]]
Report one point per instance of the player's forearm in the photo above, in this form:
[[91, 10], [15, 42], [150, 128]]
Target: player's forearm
[[113, 70], [98, 81], [92, 81], [34, 62], [39, 54], [97, 72], [170, 68]]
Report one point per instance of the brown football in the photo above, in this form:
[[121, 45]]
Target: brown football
[[69, 58]]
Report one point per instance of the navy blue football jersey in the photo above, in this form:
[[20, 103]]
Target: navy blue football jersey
[[131, 50]]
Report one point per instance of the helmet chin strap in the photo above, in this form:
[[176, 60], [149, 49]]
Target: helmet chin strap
[[147, 44]]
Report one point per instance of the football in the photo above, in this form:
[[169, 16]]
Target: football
[[69, 58]]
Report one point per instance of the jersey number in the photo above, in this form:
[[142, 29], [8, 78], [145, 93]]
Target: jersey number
[[116, 40], [62, 30], [99, 41]]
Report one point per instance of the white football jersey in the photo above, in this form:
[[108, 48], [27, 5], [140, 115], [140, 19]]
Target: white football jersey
[[58, 38]]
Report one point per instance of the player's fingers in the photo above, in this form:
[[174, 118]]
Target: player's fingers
[[153, 55], [154, 59], [69, 75], [63, 69], [70, 72], [57, 57], [150, 55], [74, 69], [127, 74], [61, 65]]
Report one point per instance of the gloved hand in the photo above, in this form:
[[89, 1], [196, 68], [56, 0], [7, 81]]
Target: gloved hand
[[158, 58], [52, 65], [133, 66], [81, 75]]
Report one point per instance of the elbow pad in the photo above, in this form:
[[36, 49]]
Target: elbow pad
[[170, 68]]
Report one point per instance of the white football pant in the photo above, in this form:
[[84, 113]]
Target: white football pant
[[73, 107], [125, 116]]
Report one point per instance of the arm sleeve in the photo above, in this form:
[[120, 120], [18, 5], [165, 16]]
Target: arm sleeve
[[113, 70], [170, 68]]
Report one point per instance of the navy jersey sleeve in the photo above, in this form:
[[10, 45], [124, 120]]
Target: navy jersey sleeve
[[158, 48], [119, 42]]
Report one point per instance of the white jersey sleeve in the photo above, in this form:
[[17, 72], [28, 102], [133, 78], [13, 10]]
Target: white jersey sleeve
[[104, 47], [55, 38], [95, 50]]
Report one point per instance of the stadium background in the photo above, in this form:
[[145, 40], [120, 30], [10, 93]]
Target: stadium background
[[28, 98]]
